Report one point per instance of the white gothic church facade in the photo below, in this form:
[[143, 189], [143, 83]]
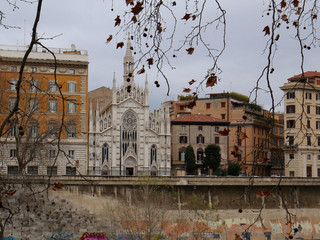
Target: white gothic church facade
[[125, 138]]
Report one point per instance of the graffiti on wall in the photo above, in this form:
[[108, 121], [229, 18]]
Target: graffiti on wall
[[94, 236], [303, 228]]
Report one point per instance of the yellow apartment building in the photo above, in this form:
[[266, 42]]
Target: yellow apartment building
[[50, 125], [302, 128]]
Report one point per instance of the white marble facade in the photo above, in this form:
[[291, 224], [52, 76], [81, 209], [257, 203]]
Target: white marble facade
[[126, 138]]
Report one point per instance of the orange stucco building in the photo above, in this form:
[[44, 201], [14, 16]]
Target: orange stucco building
[[51, 115]]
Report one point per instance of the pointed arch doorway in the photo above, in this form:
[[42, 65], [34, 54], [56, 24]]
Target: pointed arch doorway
[[130, 166]]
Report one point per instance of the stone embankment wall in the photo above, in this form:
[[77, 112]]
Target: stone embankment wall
[[184, 208]]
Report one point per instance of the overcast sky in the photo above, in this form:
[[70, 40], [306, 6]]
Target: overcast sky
[[88, 23]]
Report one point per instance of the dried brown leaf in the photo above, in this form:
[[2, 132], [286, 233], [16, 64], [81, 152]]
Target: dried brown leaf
[[192, 82], [142, 70], [134, 19], [266, 30], [57, 185], [295, 3], [117, 21], [186, 16], [109, 39], [150, 61], [192, 103], [129, 2], [159, 28], [120, 45], [186, 90], [277, 37], [242, 135], [224, 132], [236, 151], [190, 50], [211, 81], [159, 4], [299, 10], [284, 17], [137, 8], [263, 193], [283, 4], [194, 17]]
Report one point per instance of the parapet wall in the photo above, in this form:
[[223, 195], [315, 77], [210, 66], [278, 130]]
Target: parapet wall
[[188, 208]]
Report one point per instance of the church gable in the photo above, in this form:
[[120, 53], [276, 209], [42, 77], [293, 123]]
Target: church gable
[[129, 103], [136, 93]]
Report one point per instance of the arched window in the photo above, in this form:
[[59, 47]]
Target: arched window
[[134, 92], [153, 125], [122, 95], [105, 153], [118, 97], [101, 125], [182, 154], [157, 127], [109, 121], [153, 154], [129, 132], [199, 154], [105, 123], [200, 139]]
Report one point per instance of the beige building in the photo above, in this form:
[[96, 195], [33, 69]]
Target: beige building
[[199, 131], [302, 128], [244, 117], [51, 122]]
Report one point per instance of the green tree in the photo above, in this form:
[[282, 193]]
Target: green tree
[[212, 157], [190, 160], [234, 168]]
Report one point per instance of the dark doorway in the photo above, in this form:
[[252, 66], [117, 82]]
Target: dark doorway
[[309, 171], [129, 171]]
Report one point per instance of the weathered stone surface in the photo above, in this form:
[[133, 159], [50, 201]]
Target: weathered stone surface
[[199, 208]]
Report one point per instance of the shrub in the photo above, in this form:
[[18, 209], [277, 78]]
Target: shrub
[[234, 168]]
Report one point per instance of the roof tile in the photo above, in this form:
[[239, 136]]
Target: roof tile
[[308, 74]]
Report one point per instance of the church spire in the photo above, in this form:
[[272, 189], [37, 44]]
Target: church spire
[[114, 81], [146, 91], [128, 65], [114, 89]]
